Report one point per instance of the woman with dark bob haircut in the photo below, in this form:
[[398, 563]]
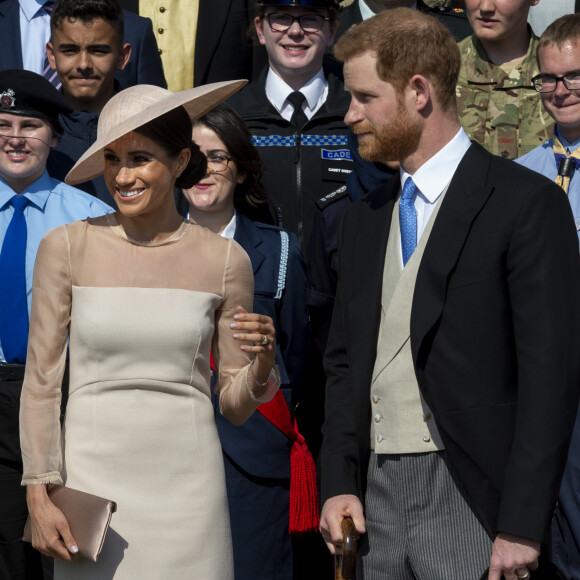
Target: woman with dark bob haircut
[[143, 297], [227, 200]]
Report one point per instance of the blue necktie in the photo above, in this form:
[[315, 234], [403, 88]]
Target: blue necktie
[[14, 310], [408, 220]]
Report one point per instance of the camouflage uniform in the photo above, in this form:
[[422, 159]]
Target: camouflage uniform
[[502, 112]]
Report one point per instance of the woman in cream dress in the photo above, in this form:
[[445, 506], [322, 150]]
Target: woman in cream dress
[[142, 296]]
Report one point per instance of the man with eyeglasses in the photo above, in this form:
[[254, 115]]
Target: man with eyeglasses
[[295, 110], [558, 159]]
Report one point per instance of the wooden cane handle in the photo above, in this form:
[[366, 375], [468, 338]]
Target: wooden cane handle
[[345, 565]]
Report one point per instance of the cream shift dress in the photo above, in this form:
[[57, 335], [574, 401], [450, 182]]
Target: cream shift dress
[[139, 426]]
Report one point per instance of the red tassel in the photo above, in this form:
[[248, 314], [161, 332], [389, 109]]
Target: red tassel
[[304, 509], [304, 512]]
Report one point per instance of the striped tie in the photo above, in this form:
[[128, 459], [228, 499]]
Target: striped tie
[[47, 72]]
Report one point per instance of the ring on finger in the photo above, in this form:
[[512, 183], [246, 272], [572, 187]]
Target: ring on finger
[[265, 341], [524, 576]]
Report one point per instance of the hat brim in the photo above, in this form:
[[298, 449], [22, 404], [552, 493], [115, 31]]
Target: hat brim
[[138, 105]]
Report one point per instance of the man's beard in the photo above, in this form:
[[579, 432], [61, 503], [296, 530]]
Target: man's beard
[[392, 141]]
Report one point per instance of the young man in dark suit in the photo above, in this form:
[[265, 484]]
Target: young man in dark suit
[[144, 65], [86, 50], [452, 359]]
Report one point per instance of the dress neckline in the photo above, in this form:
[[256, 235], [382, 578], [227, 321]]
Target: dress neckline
[[120, 232]]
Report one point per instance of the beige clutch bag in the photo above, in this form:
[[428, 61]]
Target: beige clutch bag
[[88, 517]]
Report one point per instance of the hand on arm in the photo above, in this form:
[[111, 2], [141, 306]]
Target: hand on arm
[[333, 512], [51, 534], [512, 557], [258, 330]]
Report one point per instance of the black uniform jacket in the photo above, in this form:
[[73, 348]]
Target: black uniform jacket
[[298, 167]]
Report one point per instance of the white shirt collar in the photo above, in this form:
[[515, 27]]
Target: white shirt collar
[[277, 90], [230, 229], [366, 12], [30, 8], [434, 175]]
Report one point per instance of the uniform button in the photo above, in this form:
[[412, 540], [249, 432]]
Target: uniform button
[[380, 438], [427, 416], [377, 418], [160, 30], [160, 51], [162, 9], [426, 438], [375, 399]]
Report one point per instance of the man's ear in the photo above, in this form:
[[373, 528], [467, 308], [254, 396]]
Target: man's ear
[[332, 27], [50, 55], [421, 89], [258, 23], [124, 56]]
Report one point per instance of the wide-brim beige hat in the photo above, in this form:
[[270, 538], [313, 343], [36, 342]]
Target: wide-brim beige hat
[[136, 106]]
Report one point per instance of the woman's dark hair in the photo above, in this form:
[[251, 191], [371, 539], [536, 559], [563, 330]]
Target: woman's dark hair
[[250, 197], [172, 132]]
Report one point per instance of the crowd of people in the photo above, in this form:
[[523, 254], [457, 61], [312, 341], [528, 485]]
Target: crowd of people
[[268, 264]]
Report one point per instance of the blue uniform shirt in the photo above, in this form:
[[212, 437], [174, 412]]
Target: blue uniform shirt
[[542, 160], [52, 203]]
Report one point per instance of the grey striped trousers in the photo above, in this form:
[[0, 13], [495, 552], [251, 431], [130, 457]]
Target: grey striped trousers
[[420, 525]]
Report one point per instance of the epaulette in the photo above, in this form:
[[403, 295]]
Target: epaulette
[[333, 196]]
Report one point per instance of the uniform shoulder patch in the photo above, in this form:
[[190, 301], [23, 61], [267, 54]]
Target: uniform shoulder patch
[[333, 196]]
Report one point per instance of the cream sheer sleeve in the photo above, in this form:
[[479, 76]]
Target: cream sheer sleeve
[[234, 386], [45, 362]]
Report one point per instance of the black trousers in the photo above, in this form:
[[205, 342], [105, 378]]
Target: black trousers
[[18, 559]]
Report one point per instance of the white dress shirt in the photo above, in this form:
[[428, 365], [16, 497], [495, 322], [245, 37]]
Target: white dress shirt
[[34, 34], [315, 91], [433, 177]]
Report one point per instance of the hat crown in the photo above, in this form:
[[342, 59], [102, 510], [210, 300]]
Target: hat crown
[[128, 104]]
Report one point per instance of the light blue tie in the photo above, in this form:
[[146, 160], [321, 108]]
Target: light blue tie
[[14, 312], [408, 220]]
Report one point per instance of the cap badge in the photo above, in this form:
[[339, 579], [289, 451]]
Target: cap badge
[[7, 99]]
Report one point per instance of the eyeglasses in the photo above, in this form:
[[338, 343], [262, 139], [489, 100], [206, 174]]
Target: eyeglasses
[[549, 83], [280, 22], [217, 162]]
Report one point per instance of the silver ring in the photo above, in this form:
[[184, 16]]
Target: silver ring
[[265, 341], [524, 576]]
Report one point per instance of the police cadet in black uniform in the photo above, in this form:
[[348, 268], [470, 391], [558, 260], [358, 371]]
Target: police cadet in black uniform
[[295, 110]]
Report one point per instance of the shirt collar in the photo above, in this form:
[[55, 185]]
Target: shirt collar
[[230, 229], [366, 12], [30, 8], [277, 90], [37, 193], [434, 175], [570, 147]]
